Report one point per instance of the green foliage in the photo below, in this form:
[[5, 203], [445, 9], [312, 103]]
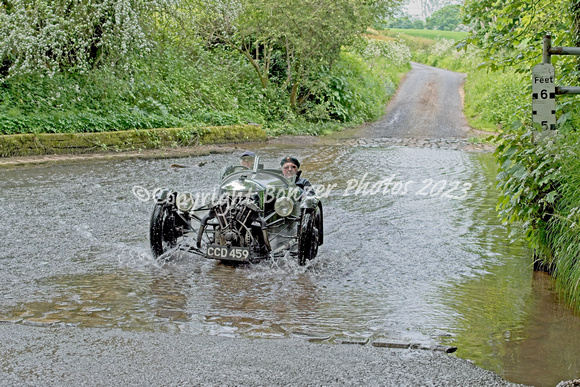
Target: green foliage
[[166, 90], [495, 99], [173, 89], [360, 83], [355, 89], [528, 180], [418, 24], [350, 92], [563, 230], [511, 32], [294, 38], [194, 63], [447, 18]]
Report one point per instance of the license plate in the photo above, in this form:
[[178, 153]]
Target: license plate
[[228, 253]]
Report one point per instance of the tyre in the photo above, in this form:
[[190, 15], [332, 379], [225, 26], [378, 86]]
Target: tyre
[[162, 232], [308, 237]]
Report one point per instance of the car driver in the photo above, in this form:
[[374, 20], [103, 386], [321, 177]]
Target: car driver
[[247, 159], [290, 170]]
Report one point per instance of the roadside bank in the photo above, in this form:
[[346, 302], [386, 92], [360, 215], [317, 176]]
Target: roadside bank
[[125, 141]]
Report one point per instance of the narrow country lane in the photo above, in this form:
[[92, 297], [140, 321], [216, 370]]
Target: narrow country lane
[[427, 104]]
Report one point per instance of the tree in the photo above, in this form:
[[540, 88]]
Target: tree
[[511, 32], [406, 22], [447, 18], [304, 34], [418, 24], [47, 36]]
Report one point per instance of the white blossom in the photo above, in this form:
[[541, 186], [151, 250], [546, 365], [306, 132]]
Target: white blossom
[[47, 36], [395, 52]]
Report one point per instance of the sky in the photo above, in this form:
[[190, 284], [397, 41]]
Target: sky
[[414, 7]]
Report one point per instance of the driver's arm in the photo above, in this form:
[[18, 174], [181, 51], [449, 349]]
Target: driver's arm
[[227, 171], [305, 185]]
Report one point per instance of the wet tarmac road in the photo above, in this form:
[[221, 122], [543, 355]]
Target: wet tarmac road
[[428, 104], [96, 357]]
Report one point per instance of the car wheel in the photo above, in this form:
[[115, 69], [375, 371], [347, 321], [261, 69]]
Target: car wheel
[[308, 237], [162, 233]]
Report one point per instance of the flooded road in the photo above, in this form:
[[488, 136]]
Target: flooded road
[[424, 260], [413, 253]]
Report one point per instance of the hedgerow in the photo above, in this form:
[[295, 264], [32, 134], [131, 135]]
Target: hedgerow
[[68, 66]]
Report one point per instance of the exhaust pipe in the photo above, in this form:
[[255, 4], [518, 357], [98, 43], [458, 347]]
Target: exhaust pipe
[[202, 229], [265, 235]]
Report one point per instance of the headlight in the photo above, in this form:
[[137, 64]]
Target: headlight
[[184, 201], [284, 206]]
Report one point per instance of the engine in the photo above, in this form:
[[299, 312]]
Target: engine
[[234, 216]]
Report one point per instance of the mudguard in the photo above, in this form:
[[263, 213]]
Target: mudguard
[[163, 195], [309, 203]]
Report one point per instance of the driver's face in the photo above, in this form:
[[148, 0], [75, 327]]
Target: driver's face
[[289, 170], [247, 162]]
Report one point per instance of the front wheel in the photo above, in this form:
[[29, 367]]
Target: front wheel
[[162, 231], [308, 236]]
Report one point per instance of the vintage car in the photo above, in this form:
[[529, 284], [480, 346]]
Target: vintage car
[[256, 215]]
